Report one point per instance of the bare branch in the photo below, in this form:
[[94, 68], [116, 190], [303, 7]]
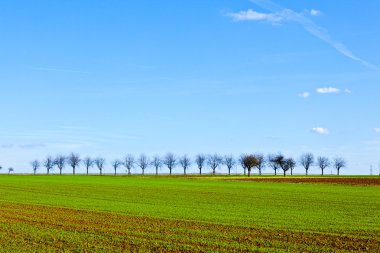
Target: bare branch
[[35, 165], [170, 161], [143, 162], [88, 163], [200, 161], [339, 163], [157, 163], [185, 163], [129, 162], [115, 165], [214, 161], [100, 163], [307, 160], [230, 162], [73, 160], [323, 163]]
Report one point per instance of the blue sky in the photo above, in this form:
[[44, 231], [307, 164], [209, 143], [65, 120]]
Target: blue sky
[[107, 78]]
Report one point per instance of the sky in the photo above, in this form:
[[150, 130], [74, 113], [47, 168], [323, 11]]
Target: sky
[[108, 78]]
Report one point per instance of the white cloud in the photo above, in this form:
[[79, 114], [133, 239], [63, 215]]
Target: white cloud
[[328, 90], [377, 130], [254, 15], [315, 13], [320, 130], [280, 13], [304, 95], [347, 91]]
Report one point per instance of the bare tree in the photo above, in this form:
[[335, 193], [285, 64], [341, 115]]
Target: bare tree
[[250, 161], [339, 163], [241, 161], [100, 164], [116, 164], [306, 161], [200, 161], [129, 162], [49, 164], [10, 170], [279, 159], [170, 161], [292, 164], [272, 162], [261, 162], [230, 162], [214, 161], [35, 165], [143, 162], [288, 164], [323, 163], [156, 163], [60, 162], [73, 160], [88, 163], [185, 163]]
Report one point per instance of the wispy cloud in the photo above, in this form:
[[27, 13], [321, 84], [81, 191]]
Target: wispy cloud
[[23, 146], [315, 13], [328, 90], [59, 70], [254, 15], [376, 130], [280, 13], [320, 130], [304, 94], [347, 91]]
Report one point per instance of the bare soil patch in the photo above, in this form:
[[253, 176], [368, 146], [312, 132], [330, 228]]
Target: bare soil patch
[[318, 180]]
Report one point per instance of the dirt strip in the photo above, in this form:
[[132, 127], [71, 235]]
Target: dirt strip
[[317, 180]]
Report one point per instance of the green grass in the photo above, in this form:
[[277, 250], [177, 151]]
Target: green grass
[[307, 208]]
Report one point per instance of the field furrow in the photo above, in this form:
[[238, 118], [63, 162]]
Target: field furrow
[[35, 227]]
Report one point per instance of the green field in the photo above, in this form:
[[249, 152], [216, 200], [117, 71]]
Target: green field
[[121, 213]]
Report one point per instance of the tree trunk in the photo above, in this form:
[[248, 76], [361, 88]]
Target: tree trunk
[[60, 171], [338, 171], [100, 171], [322, 172], [260, 172], [156, 171], [245, 171], [284, 173], [275, 172], [129, 171], [229, 171], [87, 170], [73, 170], [306, 171], [200, 171], [170, 171], [213, 171], [47, 171], [249, 172], [115, 172], [184, 171], [291, 172]]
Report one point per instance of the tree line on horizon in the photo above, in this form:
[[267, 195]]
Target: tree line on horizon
[[247, 162]]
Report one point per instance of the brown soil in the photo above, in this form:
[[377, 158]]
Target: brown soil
[[322, 180]]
